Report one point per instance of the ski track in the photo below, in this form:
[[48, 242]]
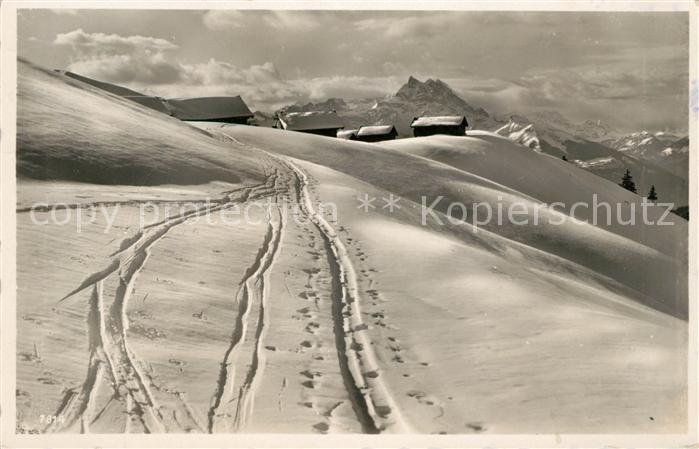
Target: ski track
[[107, 332], [74, 405], [232, 404], [374, 406], [252, 298], [44, 207], [373, 403], [246, 396]]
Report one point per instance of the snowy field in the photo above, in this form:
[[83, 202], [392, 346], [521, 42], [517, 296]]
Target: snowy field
[[147, 304]]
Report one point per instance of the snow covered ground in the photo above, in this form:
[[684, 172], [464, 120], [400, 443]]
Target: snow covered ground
[[216, 290]]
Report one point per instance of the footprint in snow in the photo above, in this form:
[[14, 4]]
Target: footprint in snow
[[476, 426]]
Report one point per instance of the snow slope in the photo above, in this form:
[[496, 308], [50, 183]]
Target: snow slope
[[556, 181], [111, 140], [301, 320], [474, 268]]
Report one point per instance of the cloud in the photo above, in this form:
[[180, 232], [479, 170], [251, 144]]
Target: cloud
[[121, 59], [111, 43], [264, 88], [260, 85], [589, 83], [221, 19], [214, 72], [393, 68], [149, 65], [293, 20], [624, 96], [129, 69], [411, 27], [350, 87]]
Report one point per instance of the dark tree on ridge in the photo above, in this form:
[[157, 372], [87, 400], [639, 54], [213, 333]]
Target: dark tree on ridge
[[652, 195], [627, 182]]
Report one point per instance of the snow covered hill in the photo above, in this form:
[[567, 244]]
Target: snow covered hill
[[249, 293], [107, 143]]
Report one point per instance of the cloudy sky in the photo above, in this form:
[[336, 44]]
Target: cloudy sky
[[627, 69]]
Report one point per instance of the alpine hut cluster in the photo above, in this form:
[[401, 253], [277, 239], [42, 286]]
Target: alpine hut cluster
[[232, 109]]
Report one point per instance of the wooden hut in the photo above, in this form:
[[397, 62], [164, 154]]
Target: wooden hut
[[323, 123], [201, 109], [454, 125], [376, 133], [347, 134], [211, 109]]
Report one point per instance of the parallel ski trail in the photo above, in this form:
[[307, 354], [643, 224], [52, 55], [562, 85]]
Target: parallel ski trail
[[373, 403], [252, 312], [75, 405], [374, 406], [107, 332], [250, 386]]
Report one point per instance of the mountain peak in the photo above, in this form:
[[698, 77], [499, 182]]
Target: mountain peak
[[435, 97], [435, 82], [432, 87], [412, 81]]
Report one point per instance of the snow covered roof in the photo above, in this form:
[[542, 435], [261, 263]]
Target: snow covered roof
[[155, 103], [204, 108], [443, 120], [303, 121], [209, 108], [375, 130], [347, 134], [111, 88]]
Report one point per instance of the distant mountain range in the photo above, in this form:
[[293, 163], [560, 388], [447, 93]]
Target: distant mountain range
[[414, 98], [662, 161], [593, 145], [665, 150]]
